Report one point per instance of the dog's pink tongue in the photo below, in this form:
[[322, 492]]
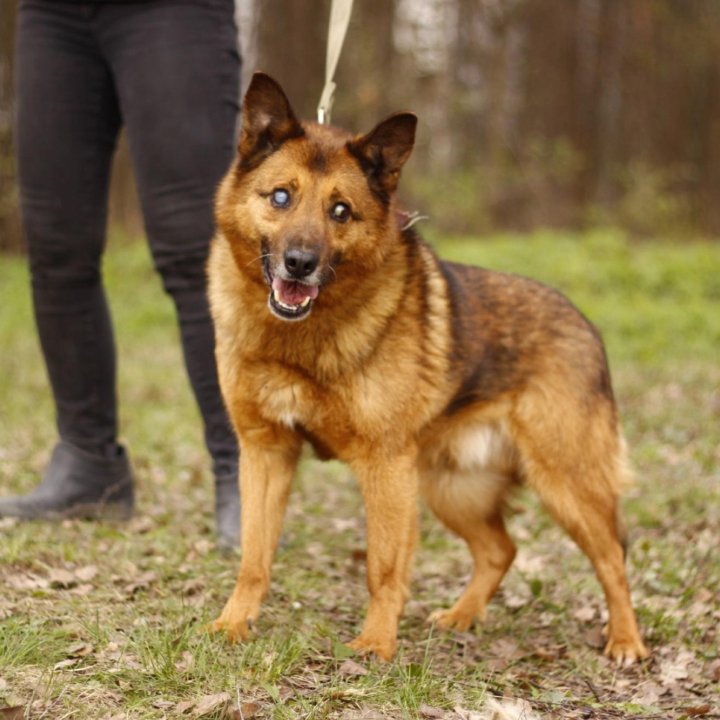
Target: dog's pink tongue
[[293, 292]]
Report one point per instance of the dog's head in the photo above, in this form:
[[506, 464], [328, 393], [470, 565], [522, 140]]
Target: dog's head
[[306, 204]]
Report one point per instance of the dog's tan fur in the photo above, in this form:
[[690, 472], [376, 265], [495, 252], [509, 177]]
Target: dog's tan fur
[[426, 377]]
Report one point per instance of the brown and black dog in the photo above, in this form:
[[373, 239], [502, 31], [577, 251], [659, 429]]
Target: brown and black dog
[[338, 326]]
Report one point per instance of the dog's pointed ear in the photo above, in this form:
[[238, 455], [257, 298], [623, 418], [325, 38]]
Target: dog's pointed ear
[[267, 121], [384, 150]]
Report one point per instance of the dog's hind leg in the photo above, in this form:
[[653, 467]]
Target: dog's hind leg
[[579, 486], [593, 527], [492, 551]]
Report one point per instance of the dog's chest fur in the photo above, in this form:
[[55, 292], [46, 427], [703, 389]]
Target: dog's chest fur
[[335, 417], [338, 382]]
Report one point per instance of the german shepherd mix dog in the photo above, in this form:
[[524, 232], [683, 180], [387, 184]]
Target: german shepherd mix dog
[[336, 324]]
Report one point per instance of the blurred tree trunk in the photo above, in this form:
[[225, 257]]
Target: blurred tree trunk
[[10, 234], [711, 172], [361, 99], [588, 24], [610, 102], [709, 149], [291, 48]]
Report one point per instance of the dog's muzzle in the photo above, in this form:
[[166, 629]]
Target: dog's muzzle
[[294, 287]]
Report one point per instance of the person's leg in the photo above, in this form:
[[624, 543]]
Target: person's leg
[[176, 69], [67, 124]]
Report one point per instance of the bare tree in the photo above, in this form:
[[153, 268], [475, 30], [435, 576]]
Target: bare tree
[[10, 238]]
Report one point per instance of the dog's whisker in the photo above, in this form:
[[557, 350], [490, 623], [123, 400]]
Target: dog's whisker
[[259, 257]]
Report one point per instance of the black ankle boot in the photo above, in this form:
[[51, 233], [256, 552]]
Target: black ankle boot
[[78, 484], [227, 511]]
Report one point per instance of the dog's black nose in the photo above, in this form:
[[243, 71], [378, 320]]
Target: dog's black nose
[[300, 263]]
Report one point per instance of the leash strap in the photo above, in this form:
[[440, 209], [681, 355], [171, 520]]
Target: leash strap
[[339, 19]]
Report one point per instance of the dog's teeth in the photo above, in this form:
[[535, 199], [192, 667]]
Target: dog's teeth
[[276, 295], [305, 302]]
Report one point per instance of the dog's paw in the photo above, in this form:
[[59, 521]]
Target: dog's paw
[[234, 631], [235, 622], [626, 651], [381, 648], [459, 619]]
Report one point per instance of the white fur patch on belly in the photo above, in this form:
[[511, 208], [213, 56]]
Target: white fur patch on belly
[[479, 446], [468, 471]]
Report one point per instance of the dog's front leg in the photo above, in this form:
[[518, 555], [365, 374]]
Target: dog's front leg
[[267, 464], [390, 490]]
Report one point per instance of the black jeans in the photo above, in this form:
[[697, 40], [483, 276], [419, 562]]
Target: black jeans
[[169, 71]]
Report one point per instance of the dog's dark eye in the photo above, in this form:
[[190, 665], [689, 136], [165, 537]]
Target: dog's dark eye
[[340, 212], [280, 198]]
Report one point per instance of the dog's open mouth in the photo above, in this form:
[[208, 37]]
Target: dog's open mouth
[[291, 299]]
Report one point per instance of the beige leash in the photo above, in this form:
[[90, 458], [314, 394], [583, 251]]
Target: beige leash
[[339, 19]]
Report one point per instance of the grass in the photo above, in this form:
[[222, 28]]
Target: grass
[[119, 633]]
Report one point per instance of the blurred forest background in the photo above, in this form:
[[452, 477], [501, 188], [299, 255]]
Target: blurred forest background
[[533, 113]]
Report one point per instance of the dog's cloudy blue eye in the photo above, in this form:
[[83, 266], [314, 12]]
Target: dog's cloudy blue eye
[[340, 212], [280, 198]]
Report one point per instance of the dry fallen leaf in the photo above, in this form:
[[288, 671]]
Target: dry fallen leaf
[[211, 704], [585, 614], [87, 573], [676, 669], [550, 652], [112, 651], [510, 710], [513, 601], [62, 579], [698, 710], [182, 707], [361, 714], [82, 590], [79, 650], [17, 712], [27, 582], [504, 651], [161, 704], [648, 694], [203, 547], [64, 664], [469, 715], [185, 663], [193, 586], [594, 638], [142, 582], [142, 525], [432, 713], [351, 669], [247, 711]]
